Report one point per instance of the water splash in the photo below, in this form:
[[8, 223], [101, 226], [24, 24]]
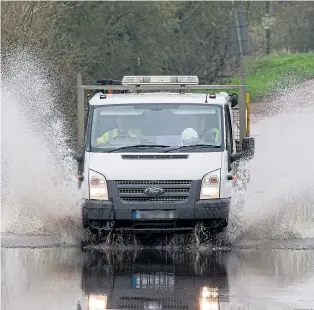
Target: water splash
[[279, 201], [39, 194], [39, 190]]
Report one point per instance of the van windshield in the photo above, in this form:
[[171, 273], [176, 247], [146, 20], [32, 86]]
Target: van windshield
[[156, 127]]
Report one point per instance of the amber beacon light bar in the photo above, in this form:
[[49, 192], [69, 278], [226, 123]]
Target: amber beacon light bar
[[161, 80]]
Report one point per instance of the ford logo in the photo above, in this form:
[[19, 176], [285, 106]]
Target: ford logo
[[153, 191]]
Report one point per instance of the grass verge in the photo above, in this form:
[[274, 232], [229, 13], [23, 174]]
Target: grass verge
[[272, 74]]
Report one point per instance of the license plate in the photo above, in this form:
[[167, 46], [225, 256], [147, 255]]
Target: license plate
[[153, 281], [153, 215]]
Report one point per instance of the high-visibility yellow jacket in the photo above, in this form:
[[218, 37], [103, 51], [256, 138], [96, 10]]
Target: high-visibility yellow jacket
[[215, 130], [115, 132]]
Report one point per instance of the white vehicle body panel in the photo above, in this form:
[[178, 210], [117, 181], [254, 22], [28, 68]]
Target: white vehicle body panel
[[195, 167], [156, 98], [113, 167]]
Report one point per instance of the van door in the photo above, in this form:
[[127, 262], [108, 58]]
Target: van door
[[227, 166]]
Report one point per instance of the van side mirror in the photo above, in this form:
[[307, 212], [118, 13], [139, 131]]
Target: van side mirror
[[234, 99], [78, 157], [248, 150], [236, 156], [248, 147]]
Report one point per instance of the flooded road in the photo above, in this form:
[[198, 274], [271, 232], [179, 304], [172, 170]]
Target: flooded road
[[66, 278]]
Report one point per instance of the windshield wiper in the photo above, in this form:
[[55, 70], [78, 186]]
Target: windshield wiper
[[138, 147], [194, 146]]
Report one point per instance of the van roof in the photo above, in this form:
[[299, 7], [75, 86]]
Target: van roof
[[160, 97]]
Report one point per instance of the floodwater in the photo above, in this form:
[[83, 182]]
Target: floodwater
[[268, 260], [66, 278]]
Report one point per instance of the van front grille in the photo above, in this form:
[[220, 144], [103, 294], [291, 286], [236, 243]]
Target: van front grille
[[171, 302], [138, 191]]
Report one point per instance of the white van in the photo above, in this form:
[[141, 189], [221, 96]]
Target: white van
[[157, 158]]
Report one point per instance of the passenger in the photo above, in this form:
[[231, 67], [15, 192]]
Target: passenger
[[120, 131], [189, 136]]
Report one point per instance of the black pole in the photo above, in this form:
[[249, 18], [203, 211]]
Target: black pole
[[267, 8]]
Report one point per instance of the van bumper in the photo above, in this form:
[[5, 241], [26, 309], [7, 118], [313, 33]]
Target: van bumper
[[213, 214]]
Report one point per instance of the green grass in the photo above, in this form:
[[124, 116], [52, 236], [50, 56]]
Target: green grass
[[272, 74]]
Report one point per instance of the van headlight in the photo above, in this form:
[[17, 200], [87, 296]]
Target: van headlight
[[210, 188], [209, 298], [97, 186], [97, 302]]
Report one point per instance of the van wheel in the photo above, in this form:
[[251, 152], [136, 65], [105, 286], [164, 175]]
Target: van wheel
[[208, 236], [92, 238], [200, 234], [86, 239]]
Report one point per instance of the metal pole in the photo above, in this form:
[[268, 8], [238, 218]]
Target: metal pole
[[248, 115], [80, 113], [267, 30], [238, 30], [242, 89], [242, 106]]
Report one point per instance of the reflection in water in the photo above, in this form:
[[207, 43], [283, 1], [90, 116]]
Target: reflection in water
[[56, 279], [271, 279], [37, 279], [152, 279]]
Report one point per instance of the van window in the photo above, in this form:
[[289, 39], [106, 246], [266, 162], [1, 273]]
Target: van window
[[156, 124], [229, 133]]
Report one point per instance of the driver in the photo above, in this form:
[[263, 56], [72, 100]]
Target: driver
[[203, 132], [122, 130]]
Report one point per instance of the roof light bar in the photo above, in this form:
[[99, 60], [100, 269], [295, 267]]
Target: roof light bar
[[161, 80]]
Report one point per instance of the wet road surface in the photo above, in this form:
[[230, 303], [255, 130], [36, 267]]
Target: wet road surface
[[264, 276]]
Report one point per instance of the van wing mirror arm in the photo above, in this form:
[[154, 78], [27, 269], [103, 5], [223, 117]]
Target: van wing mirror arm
[[236, 156], [78, 157]]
